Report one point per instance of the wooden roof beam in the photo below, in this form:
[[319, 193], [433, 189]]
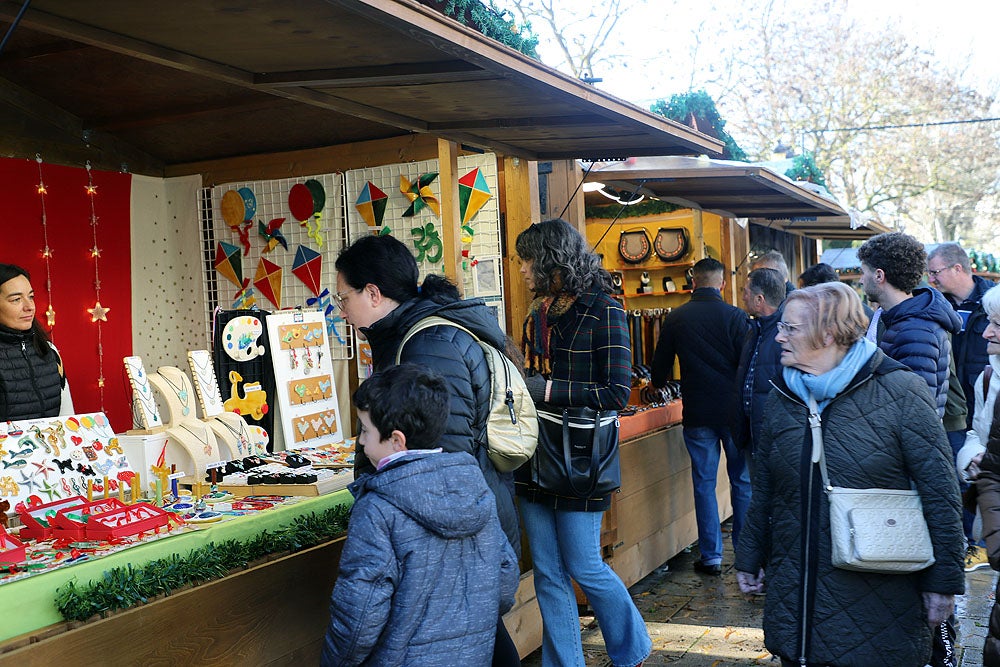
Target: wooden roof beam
[[54, 25], [579, 120], [402, 74], [71, 125], [188, 113]]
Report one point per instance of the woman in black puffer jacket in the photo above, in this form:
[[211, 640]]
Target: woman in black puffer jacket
[[880, 430]]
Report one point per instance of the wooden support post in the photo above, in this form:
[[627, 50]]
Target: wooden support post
[[519, 199], [563, 182], [451, 218]]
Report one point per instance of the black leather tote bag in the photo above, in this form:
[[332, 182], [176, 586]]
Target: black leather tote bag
[[577, 454]]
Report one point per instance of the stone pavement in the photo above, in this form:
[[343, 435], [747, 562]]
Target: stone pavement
[[701, 621]]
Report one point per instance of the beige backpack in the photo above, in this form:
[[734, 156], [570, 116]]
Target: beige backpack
[[512, 423]]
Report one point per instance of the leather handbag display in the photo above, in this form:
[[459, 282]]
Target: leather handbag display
[[671, 243], [634, 246], [577, 454], [872, 530]]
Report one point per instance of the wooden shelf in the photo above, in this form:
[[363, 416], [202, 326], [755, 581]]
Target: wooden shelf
[[658, 267], [632, 296]]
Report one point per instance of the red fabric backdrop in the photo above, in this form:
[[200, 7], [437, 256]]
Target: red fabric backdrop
[[67, 208]]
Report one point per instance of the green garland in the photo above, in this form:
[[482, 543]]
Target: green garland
[[648, 207], [804, 169], [700, 105], [493, 22], [125, 587]]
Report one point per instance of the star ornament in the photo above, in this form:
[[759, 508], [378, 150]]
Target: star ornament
[[98, 312]]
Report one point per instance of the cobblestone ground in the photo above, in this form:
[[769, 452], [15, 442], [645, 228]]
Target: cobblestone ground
[[700, 621]]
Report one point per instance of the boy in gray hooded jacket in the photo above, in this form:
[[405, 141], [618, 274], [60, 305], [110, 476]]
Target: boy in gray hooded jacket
[[426, 568]]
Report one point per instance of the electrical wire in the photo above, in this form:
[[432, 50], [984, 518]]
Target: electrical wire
[[13, 24], [578, 186], [617, 215]]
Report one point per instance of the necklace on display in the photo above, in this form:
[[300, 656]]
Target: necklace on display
[[180, 391], [207, 380], [140, 390], [242, 437], [202, 440]]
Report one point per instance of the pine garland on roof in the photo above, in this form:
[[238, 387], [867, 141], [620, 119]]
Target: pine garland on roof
[[488, 19], [696, 109]]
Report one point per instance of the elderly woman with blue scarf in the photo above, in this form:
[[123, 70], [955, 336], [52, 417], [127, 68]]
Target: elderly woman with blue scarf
[[880, 430]]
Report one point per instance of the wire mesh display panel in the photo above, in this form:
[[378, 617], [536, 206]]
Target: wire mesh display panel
[[255, 264], [386, 203]]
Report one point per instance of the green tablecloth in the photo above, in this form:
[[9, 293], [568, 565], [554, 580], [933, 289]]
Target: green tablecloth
[[29, 604]]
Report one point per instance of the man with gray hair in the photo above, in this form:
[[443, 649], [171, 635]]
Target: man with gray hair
[[760, 359], [772, 259], [949, 270]]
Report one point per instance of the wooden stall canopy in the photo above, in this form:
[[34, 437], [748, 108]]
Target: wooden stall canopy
[[163, 85], [733, 190]]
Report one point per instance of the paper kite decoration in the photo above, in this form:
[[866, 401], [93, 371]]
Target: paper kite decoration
[[238, 209], [308, 267], [229, 263], [267, 280], [473, 193], [371, 204], [271, 232], [420, 194], [306, 202]]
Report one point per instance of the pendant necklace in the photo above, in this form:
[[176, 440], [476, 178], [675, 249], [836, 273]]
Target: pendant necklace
[[202, 440], [207, 381], [181, 393], [243, 439], [140, 389]]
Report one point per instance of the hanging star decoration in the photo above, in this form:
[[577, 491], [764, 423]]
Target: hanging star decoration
[[271, 232], [98, 312], [419, 194], [50, 312]]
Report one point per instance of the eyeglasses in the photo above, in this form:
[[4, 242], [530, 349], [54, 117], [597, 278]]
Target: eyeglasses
[[788, 328], [341, 297], [933, 274]]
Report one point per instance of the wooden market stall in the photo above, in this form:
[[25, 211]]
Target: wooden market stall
[[188, 96]]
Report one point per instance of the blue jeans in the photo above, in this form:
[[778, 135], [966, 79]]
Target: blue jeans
[[702, 443], [957, 439], [568, 544]]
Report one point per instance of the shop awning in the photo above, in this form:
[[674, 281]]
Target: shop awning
[[733, 190], [188, 80]]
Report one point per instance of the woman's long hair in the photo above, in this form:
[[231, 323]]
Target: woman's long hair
[[39, 336], [562, 260], [384, 261]]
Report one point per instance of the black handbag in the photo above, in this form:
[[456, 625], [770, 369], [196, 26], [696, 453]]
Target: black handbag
[[577, 454]]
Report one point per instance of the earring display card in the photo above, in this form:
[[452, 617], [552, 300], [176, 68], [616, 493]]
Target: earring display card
[[59, 457], [307, 395]]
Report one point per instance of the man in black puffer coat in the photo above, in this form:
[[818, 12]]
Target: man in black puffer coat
[[918, 321]]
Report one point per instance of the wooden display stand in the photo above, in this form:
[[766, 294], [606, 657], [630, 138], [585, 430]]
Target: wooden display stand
[[218, 623]]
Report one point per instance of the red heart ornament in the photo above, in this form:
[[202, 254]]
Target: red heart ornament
[[77, 440]]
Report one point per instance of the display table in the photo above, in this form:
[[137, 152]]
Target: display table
[[224, 601]]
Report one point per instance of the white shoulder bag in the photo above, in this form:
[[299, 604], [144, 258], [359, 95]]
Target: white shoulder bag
[[872, 530]]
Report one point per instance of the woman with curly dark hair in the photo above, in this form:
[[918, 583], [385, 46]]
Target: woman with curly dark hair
[[577, 354]]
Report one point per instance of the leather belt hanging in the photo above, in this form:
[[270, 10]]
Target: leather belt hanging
[[634, 246], [671, 243], [635, 328]]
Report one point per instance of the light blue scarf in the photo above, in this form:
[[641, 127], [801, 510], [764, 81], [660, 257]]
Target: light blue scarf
[[824, 387]]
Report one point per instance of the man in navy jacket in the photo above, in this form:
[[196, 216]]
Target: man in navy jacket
[[706, 335], [760, 361]]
